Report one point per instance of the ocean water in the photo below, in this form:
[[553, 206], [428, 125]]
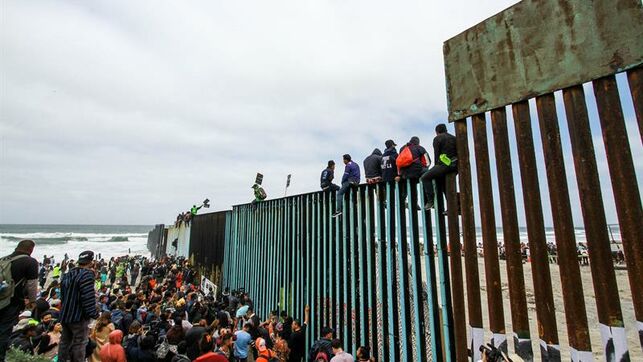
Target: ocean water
[[56, 240]]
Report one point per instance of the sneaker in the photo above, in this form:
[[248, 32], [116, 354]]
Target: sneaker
[[337, 213], [428, 205]]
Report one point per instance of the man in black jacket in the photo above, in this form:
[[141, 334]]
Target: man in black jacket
[[373, 167], [446, 158], [389, 170], [327, 176], [79, 306]]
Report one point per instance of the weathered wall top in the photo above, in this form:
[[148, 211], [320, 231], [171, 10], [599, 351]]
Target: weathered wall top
[[509, 57]]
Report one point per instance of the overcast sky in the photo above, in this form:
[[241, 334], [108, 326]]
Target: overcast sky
[[127, 112]]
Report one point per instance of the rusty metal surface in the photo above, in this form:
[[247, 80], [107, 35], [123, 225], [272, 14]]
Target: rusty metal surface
[[635, 80], [469, 234], [572, 286], [511, 236], [624, 184], [457, 287], [536, 47], [602, 267], [545, 307], [489, 238]]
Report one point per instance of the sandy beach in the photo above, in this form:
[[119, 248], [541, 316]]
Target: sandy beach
[[590, 303]]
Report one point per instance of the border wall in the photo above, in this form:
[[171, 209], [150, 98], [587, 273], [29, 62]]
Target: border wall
[[390, 276]]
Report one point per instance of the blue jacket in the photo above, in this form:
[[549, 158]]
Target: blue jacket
[[351, 173], [327, 177]]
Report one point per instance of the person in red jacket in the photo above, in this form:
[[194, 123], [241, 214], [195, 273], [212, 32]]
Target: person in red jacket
[[113, 352]]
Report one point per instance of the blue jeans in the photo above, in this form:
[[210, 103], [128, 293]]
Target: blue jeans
[[340, 195], [8, 319]]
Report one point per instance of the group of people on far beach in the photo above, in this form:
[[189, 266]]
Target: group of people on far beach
[[411, 163], [135, 309]]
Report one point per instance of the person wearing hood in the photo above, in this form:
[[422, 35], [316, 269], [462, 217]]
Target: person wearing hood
[[389, 170], [373, 167], [113, 351], [419, 161], [350, 178]]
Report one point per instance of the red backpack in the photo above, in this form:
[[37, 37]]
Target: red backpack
[[405, 158]]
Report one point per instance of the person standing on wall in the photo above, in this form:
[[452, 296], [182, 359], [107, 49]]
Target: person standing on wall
[[446, 158], [19, 283], [79, 307], [350, 178]]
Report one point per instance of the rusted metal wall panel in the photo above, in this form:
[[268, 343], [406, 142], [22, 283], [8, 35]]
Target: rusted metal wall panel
[[536, 47]]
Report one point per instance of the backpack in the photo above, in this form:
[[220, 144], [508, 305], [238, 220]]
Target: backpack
[[321, 356], [261, 193], [405, 158], [7, 284]]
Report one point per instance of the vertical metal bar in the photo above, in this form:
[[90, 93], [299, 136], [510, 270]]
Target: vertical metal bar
[[332, 253], [309, 266], [416, 274], [627, 196], [300, 256], [457, 288], [337, 274], [382, 351], [402, 261], [431, 284], [635, 80], [370, 266], [345, 256], [325, 270], [572, 286], [443, 267], [393, 345], [319, 263], [360, 269], [489, 238], [469, 238], [511, 236], [315, 264], [353, 257], [545, 307], [602, 267]]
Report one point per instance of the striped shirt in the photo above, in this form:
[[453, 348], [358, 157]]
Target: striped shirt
[[78, 296]]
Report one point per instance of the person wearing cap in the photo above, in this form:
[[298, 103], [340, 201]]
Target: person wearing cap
[[350, 178], [322, 345], [327, 176], [24, 273], [265, 354], [389, 170], [78, 308], [446, 157]]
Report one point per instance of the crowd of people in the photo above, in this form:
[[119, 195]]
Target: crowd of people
[[411, 163], [134, 309]]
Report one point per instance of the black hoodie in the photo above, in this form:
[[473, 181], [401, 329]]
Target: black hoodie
[[373, 164]]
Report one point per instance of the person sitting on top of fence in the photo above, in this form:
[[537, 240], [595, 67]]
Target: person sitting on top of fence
[[260, 194], [327, 176], [351, 177], [446, 158]]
